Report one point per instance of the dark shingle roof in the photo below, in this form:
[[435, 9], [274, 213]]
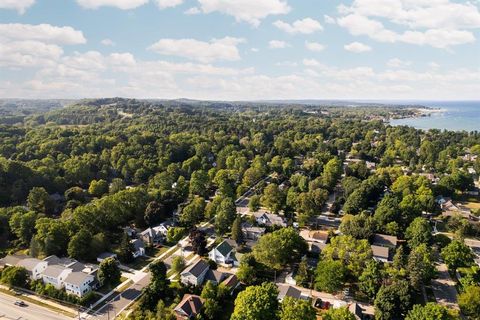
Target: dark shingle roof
[[224, 248], [197, 268]]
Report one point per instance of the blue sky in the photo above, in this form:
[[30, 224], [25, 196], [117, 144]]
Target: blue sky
[[240, 49]]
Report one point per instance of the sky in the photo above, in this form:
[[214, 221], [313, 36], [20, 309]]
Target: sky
[[240, 49]]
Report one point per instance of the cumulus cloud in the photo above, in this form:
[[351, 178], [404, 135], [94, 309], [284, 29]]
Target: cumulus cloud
[[250, 11], [215, 49], [192, 11], [107, 42], [277, 44], [439, 23], [120, 4], [163, 4], [314, 46], [357, 47], [398, 63], [20, 5], [304, 26], [328, 19], [41, 32], [28, 53]]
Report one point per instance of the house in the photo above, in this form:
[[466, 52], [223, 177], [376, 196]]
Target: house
[[138, 248], [55, 275], [105, 255], [130, 231], [285, 290], [381, 253], [251, 232], [384, 240], [11, 260], [195, 274], [78, 283], [157, 234], [189, 307], [214, 276], [34, 267], [449, 209], [356, 310], [316, 239], [224, 254], [231, 282], [269, 219]]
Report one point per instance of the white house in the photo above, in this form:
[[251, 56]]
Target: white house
[[195, 274], [139, 248], [34, 267], [269, 219], [55, 275], [224, 254], [78, 283]]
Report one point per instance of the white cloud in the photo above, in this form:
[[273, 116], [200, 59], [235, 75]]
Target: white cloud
[[286, 64], [250, 11], [433, 65], [216, 49], [254, 49], [398, 63], [311, 63], [163, 4], [192, 11], [41, 32], [314, 46], [28, 53], [120, 4], [107, 42], [20, 5], [357, 47], [304, 26], [436, 23], [328, 19], [277, 44]]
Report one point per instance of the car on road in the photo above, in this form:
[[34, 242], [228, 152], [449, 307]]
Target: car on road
[[20, 303]]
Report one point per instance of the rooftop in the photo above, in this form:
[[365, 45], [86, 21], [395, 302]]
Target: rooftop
[[197, 268], [190, 305], [77, 278]]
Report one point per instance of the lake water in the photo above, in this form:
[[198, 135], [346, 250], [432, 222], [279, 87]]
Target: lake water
[[455, 115]]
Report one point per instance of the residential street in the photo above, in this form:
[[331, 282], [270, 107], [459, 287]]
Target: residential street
[[31, 312], [444, 288]]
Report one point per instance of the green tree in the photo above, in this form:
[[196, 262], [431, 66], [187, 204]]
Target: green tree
[[39, 200], [393, 301], [22, 225], [193, 213], [211, 306], [273, 198], [303, 274], [457, 254], [237, 233], [226, 214], [98, 188], [199, 183], [296, 309], [256, 303], [154, 213], [341, 313], [116, 185], [178, 263], [280, 247], [15, 277], [254, 203], [420, 266], [418, 232], [371, 279], [430, 311], [329, 276], [109, 273], [469, 302], [198, 241], [79, 246], [250, 270], [353, 253], [126, 249], [360, 226]]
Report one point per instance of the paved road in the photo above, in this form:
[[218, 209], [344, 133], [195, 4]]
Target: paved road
[[31, 312], [444, 288]]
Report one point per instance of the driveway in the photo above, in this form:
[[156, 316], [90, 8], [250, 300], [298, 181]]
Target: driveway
[[444, 288]]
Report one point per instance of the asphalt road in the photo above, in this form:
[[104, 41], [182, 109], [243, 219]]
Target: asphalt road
[[31, 312], [444, 288], [116, 306]]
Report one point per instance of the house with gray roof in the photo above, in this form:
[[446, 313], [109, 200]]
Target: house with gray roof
[[55, 275], [384, 240], [285, 290], [34, 267], [269, 219], [251, 232], [11, 260], [195, 274], [78, 283]]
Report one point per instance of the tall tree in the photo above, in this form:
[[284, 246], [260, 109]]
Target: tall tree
[[296, 309], [237, 233], [198, 241], [108, 272], [371, 279], [329, 276], [126, 249], [226, 214], [393, 301], [79, 246], [256, 303], [39, 200], [418, 232], [457, 254], [341, 313]]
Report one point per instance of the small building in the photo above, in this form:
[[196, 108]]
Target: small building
[[195, 274], [157, 234], [269, 219], [190, 306], [251, 232], [316, 239], [106, 255], [224, 254], [11, 260], [138, 248], [384, 240], [285, 290], [79, 283], [231, 282], [380, 253], [55, 275], [214, 276], [34, 267]]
